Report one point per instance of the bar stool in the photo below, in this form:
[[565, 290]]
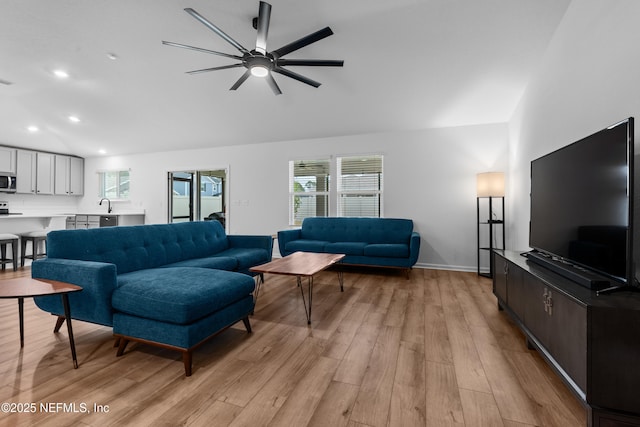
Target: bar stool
[[11, 239], [36, 238]]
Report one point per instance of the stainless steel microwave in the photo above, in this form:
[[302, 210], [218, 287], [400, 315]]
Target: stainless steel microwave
[[7, 183]]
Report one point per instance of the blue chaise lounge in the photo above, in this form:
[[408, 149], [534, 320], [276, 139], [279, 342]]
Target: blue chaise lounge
[[172, 285]]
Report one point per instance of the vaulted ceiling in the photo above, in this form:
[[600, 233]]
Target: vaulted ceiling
[[409, 64]]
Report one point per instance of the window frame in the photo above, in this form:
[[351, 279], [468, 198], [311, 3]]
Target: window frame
[[377, 193], [102, 182], [295, 195], [335, 188]]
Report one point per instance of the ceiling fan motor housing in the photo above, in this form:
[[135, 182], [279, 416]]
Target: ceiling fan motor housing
[[256, 59]]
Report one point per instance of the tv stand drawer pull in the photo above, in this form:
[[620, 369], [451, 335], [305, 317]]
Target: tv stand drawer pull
[[547, 300]]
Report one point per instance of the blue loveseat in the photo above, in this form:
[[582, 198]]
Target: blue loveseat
[[173, 285], [382, 242]]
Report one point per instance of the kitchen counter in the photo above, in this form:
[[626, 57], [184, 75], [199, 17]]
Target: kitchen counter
[[32, 215], [18, 215], [102, 213], [31, 221], [37, 220]]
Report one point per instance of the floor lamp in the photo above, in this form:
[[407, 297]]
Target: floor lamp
[[490, 185]]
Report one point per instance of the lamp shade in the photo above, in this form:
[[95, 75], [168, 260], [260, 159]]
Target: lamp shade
[[490, 184]]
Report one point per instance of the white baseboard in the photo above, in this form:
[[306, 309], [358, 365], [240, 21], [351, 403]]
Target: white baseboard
[[470, 269]]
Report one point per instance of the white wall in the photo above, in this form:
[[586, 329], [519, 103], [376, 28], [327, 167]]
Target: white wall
[[429, 177], [589, 79]]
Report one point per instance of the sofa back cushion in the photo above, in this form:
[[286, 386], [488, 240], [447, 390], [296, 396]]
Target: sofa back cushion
[[137, 247], [369, 230]]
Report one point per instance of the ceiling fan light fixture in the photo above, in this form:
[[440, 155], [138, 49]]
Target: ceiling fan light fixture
[[260, 62], [259, 71]]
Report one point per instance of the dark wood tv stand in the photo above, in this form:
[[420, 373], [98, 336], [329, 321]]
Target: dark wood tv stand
[[591, 341]]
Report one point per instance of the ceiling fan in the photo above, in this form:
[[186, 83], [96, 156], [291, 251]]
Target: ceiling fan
[[259, 62]]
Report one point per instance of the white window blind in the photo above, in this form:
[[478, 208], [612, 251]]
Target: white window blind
[[360, 186], [308, 189]]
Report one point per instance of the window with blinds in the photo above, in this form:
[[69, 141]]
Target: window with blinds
[[359, 186], [308, 189]]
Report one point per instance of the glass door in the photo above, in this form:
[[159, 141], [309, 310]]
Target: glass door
[[198, 195], [212, 196], [181, 196]]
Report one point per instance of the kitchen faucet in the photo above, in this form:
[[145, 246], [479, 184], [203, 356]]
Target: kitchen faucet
[[108, 206]]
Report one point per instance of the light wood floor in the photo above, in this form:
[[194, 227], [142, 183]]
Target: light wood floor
[[432, 350]]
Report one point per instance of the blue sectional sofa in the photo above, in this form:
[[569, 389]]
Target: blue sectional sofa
[[172, 285], [381, 242]]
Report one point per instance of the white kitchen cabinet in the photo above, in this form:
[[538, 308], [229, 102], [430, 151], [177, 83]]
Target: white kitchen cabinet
[[45, 173], [87, 221], [69, 175], [7, 160], [26, 172], [76, 176]]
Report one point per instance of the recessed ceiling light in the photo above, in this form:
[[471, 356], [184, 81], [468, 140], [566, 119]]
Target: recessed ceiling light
[[112, 56], [61, 74], [33, 129], [74, 119], [102, 151]]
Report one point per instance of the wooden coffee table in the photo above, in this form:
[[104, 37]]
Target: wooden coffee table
[[26, 287], [300, 264]]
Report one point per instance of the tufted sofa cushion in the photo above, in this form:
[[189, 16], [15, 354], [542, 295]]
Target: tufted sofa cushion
[[135, 248], [369, 230]]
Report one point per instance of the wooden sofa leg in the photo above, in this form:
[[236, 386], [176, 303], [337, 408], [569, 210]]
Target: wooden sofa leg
[[116, 342], [247, 325], [122, 346], [188, 362], [59, 323]]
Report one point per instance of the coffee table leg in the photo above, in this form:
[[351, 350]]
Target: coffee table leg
[[259, 282], [21, 314], [256, 292], [341, 280], [307, 310], [310, 283], [67, 315]]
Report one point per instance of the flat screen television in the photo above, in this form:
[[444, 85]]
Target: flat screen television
[[582, 206]]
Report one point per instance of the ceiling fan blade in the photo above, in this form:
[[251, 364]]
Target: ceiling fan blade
[[224, 67], [216, 30], [241, 80], [264, 16], [311, 62], [300, 43], [296, 76], [273, 84], [199, 49]]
